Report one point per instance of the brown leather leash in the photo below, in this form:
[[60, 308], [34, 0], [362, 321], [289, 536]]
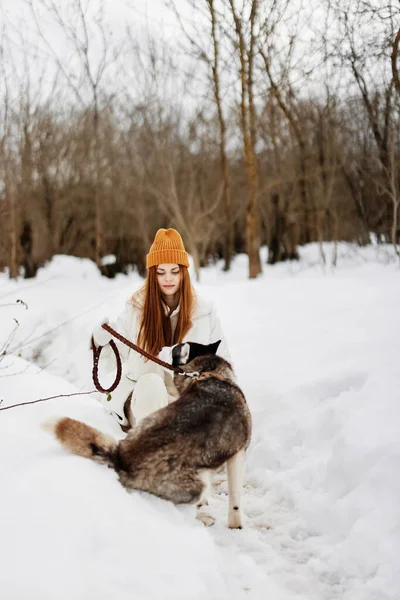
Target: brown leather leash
[[96, 356], [97, 352]]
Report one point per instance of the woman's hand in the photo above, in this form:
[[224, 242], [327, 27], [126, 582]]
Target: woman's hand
[[165, 354], [101, 337]]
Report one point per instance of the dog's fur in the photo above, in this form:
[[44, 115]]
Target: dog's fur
[[172, 452]]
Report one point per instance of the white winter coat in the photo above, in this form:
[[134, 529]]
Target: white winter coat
[[206, 328]]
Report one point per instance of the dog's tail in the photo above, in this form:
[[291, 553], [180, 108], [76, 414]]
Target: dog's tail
[[83, 440]]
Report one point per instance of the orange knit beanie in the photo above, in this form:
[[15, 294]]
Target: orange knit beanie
[[167, 249]]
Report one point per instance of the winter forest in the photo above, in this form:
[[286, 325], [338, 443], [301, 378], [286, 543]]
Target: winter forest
[[260, 122], [267, 133]]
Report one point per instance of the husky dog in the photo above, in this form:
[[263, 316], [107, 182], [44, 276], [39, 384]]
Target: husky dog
[[172, 452]]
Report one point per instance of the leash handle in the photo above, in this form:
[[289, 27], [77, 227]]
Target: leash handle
[[95, 370], [96, 357]]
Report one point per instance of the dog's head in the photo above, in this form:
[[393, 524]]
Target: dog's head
[[198, 358], [180, 354], [187, 351]]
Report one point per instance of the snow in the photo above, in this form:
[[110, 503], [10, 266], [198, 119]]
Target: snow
[[316, 351]]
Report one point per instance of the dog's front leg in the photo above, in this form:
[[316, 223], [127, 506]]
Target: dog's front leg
[[235, 472]]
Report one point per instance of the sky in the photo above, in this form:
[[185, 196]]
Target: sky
[[50, 44], [147, 18]]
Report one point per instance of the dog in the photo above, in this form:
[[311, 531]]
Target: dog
[[173, 452]]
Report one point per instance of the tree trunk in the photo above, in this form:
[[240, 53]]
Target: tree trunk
[[26, 240], [98, 247], [247, 115], [253, 243], [13, 236], [228, 241]]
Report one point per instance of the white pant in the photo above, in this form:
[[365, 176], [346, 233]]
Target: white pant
[[149, 395]]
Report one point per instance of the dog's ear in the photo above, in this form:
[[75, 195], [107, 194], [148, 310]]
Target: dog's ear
[[214, 347], [185, 351], [180, 354]]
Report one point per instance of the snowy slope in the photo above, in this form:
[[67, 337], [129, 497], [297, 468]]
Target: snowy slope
[[316, 352]]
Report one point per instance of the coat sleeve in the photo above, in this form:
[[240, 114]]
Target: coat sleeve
[[216, 333]]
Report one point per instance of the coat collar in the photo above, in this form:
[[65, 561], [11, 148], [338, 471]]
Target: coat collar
[[202, 307]]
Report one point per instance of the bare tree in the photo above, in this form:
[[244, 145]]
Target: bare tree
[[216, 78], [290, 111], [92, 47], [239, 139], [169, 142], [354, 21], [394, 58], [211, 55], [246, 47], [8, 210]]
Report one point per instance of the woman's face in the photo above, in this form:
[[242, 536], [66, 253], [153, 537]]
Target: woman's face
[[169, 279]]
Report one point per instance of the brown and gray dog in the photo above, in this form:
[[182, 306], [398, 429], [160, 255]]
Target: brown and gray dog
[[173, 452]]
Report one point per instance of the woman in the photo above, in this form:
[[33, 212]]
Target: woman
[[164, 312]]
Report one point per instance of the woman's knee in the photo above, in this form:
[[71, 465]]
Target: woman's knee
[[150, 383]]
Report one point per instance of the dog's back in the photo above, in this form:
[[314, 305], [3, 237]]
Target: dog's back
[[208, 424]]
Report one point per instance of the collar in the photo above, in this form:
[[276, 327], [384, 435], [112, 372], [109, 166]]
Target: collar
[[197, 376]]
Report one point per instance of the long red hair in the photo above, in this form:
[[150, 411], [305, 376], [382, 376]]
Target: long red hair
[[155, 326]]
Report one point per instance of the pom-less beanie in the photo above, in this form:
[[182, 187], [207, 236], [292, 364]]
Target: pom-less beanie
[[167, 249]]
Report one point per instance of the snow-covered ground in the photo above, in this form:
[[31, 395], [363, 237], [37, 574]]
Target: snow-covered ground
[[317, 354]]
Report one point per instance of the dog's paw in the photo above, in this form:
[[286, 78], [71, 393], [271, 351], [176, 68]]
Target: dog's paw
[[205, 518]]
